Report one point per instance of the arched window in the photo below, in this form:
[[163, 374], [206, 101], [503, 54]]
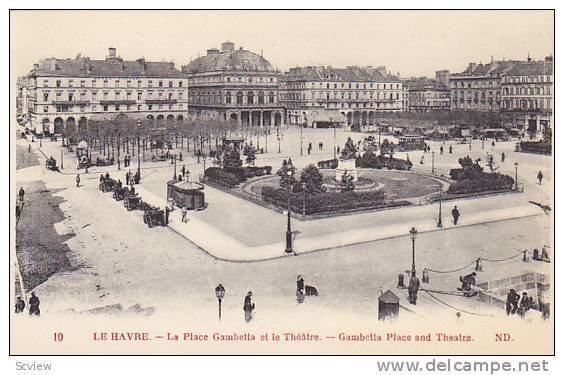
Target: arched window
[[239, 97], [250, 97], [271, 97], [228, 97], [261, 97]]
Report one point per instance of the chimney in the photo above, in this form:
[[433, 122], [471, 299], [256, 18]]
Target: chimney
[[471, 67], [111, 53], [212, 51], [227, 46]]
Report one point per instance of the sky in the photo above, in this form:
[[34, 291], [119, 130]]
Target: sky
[[412, 43]]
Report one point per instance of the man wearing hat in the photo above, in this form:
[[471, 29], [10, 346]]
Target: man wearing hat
[[248, 307]]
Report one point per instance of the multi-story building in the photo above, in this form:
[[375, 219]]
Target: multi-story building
[[528, 96], [426, 95], [478, 88], [316, 95], [236, 85], [59, 92]]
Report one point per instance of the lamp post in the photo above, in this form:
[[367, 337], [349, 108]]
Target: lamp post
[[62, 159], [289, 248], [302, 136], [483, 139], [204, 157], [334, 137], [413, 233], [174, 159], [433, 162], [138, 149], [278, 138], [304, 202], [379, 134], [440, 222], [516, 166], [219, 293]]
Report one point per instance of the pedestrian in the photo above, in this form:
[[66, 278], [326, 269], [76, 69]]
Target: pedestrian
[[338, 150], [525, 304], [77, 180], [21, 194], [540, 177], [493, 144], [300, 283], [180, 157], [170, 204], [119, 184], [127, 178], [413, 288], [503, 157], [450, 149], [320, 146], [248, 307], [422, 158], [167, 212], [441, 150], [20, 305], [511, 303], [28, 148], [132, 190], [455, 215], [107, 175], [183, 170], [34, 305], [184, 213]]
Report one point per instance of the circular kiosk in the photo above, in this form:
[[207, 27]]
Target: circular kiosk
[[186, 193]]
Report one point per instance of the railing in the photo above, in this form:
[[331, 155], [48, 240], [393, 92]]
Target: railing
[[116, 101], [160, 101], [70, 102]]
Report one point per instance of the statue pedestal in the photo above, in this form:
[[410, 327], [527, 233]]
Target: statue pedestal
[[346, 166]]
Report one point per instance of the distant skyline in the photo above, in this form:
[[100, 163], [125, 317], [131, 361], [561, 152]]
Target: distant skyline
[[412, 43]]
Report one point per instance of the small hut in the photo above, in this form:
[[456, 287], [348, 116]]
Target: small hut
[[388, 305], [186, 193]]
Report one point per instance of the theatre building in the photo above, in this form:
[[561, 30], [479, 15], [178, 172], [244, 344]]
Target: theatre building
[[61, 92], [234, 85]]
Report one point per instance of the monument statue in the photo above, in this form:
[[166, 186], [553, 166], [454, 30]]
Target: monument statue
[[349, 151], [346, 164]]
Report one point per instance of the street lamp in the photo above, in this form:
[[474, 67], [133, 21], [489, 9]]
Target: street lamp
[[278, 138], [440, 222], [334, 137], [413, 233], [204, 157], [138, 149], [289, 249], [219, 293], [516, 166], [302, 136], [174, 159], [305, 192], [433, 162]]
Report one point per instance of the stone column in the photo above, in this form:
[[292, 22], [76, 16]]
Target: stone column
[[261, 121]]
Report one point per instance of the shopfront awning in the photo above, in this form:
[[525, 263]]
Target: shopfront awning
[[328, 116]]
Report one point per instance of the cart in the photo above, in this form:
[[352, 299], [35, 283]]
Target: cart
[[120, 193], [51, 164], [107, 185]]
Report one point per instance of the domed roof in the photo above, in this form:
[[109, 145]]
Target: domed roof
[[229, 60]]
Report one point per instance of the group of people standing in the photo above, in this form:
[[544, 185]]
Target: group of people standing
[[512, 304], [33, 305]]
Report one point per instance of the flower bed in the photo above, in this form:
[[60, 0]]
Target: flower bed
[[231, 177], [487, 182], [328, 202]]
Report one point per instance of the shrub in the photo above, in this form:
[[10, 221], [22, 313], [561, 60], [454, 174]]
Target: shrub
[[539, 147], [221, 177], [485, 182], [327, 164], [312, 178]]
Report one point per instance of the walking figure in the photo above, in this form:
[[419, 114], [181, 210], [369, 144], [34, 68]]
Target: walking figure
[[511, 303], [441, 150], [167, 213], [413, 288], [77, 180], [34, 305], [320, 146], [183, 170], [127, 174], [20, 305], [300, 283], [455, 215], [21, 194], [422, 158], [503, 157], [493, 144], [248, 307], [540, 177], [450, 149], [28, 148], [184, 211]]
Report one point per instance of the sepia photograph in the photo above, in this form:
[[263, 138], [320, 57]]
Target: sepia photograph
[[281, 182]]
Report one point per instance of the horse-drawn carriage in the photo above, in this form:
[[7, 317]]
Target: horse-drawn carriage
[[107, 185], [159, 157], [120, 193], [51, 164], [132, 202], [154, 216], [104, 162]]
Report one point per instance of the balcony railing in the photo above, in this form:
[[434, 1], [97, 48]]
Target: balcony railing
[[70, 102], [160, 101], [117, 102]]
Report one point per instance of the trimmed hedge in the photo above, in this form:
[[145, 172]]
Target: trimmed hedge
[[328, 202], [370, 160], [539, 147], [221, 177], [485, 182]]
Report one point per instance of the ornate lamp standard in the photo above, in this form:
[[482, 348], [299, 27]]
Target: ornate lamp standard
[[278, 138], [413, 233], [433, 162], [204, 158], [289, 248], [219, 293], [440, 222], [138, 149], [174, 159]]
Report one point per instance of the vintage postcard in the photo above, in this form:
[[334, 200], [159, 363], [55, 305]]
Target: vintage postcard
[[282, 182]]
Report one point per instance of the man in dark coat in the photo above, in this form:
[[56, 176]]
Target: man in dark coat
[[468, 281], [248, 307], [20, 305], [455, 215], [77, 180], [127, 174], [300, 283], [511, 302], [167, 212], [450, 149], [21, 193], [540, 177], [34, 305], [413, 288]]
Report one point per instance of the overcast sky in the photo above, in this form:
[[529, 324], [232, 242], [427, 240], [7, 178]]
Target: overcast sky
[[412, 43]]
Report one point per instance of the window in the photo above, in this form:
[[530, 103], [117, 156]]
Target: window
[[94, 108], [128, 95], [105, 108], [139, 83], [46, 108], [169, 83], [45, 96], [117, 107], [150, 83], [128, 83], [82, 108], [45, 83], [228, 97], [105, 83], [71, 82], [150, 106], [117, 82], [139, 95], [70, 96], [179, 83], [93, 83], [160, 83], [58, 83], [138, 107]]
